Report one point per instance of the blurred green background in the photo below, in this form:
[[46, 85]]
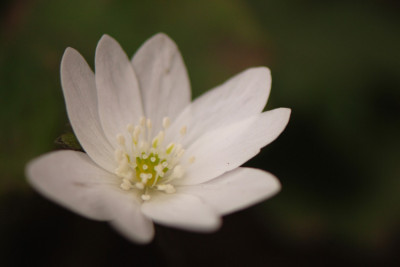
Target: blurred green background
[[336, 64]]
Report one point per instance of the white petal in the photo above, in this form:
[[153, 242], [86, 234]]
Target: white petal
[[229, 147], [79, 89], [163, 79], [242, 96], [181, 211], [118, 89], [74, 181], [129, 220], [236, 190]]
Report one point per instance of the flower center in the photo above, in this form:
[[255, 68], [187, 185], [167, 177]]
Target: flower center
[[146, 164]]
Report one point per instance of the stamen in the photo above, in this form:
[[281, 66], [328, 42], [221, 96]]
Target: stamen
[[177, 172], [142, 121], [126, 184], [169, 189], [130, 128], [166, 122], [135, 134], [118, 154], [148, 164], [143, 177], [159, 170], [158, 139], [149, 124], [170, 147], [137, 130], [180, 152], [146, 197], [161, 136], [183, 130], [121, 139], [161, 187]]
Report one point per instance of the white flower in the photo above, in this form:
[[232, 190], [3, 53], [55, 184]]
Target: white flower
[[152, 155]]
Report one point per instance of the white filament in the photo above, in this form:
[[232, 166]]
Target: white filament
[[136, 168]]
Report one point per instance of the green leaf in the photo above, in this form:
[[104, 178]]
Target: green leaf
[[69, 141]]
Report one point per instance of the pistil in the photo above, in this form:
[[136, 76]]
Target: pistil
[[146, 164]]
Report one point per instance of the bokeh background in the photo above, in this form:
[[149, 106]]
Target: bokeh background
[[336, 64]]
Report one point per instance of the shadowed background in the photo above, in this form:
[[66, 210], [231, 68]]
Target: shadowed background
[[336, 64]]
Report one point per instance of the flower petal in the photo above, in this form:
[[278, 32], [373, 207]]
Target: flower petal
[[130, 221], [226, 148], [118, 89], [236, 190], [79, 89], [72, 179], [242, 96], [163, 79], [181, 211]]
